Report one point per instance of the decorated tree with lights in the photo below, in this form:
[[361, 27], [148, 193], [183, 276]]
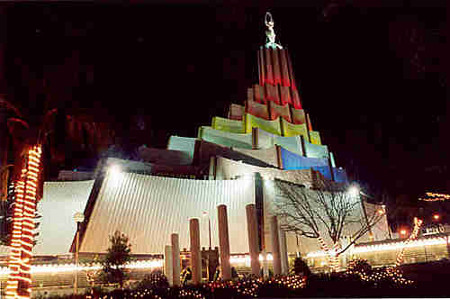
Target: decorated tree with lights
[[118, 255], [330, 212], [27, 135], [26, 183]]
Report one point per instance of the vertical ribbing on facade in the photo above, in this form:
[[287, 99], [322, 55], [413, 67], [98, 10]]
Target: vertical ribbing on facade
[[268, 65], [276, 66], [285, 78], [261, 70], [135, 203]]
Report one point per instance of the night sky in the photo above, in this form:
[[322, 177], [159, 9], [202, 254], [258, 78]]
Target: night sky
[[373, 76]]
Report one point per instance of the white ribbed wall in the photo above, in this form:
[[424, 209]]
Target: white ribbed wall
[[149, 208], [60, 201]]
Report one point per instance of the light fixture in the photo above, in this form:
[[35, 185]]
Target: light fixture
[[353, 191], [115, 169]]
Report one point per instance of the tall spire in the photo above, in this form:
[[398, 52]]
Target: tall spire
[[270, 32]]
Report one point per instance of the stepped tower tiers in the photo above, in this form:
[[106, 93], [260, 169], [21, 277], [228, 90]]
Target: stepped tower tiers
[[272, 117], [269, 133]]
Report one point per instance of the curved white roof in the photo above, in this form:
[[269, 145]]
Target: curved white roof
[[150, 208]]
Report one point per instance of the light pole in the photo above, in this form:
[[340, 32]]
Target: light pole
[[78, 217]]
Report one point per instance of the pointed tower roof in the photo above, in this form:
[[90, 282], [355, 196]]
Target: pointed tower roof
[[276, 76]]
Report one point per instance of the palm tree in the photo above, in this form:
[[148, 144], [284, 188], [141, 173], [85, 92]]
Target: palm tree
[[27, 168], [26, 188], [9, 117]]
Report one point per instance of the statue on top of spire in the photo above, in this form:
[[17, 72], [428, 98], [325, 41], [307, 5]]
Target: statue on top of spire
[[270, 32]]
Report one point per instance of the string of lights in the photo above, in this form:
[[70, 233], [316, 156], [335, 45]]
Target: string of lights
[[61, 268], [361, 268], [187, 293], [324, 247], [417, 224], [335, 258], [247, 287], [19, 281], [250, 286], [431, 196]]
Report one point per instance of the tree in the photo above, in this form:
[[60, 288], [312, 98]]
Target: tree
[[330, 211], [117, 257], [5, 222], [300, 267]]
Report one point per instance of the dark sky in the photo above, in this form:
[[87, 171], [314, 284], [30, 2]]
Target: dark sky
[[373, 74]]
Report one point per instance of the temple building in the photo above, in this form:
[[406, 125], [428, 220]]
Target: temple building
[[234, 161]]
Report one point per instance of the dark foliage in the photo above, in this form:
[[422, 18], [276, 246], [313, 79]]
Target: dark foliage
[[5, 222], [118, 255], [301, 268], [155, 280]]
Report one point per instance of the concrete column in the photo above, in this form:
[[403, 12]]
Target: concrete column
[[224, 242], [330, 166], [176, 259], [253, 246], [255, 138], [196, 258], [212, 168], [302, 140], [168, 264], [279, 157], [284, 253], [275, 245]]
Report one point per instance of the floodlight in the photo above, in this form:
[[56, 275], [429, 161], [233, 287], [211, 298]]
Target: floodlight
[[353, 191]]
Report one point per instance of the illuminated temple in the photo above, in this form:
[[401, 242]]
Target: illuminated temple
[[234, 161]]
